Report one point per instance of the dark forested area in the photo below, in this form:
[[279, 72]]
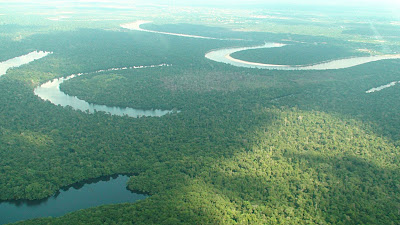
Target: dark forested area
[[248, 146]]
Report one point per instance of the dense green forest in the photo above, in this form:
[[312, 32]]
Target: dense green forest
[[248, 146]]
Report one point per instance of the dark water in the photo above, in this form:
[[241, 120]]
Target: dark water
[[95, 192]]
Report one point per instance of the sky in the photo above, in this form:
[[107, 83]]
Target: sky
[[228, 2], [390, 5]]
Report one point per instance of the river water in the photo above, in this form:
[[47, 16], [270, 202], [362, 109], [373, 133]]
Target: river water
[[50, 91], [136, 26], [224, 56], [91, 193], [21, 60]]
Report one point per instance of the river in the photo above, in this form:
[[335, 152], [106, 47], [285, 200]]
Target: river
[[50, 91], [136, 26], [224, 56], [21, 60], [82, 195]]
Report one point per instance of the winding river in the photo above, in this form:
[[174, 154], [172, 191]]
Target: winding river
[[50, 91], [90, 193], [21, 60], [136, 26], [224, 56]]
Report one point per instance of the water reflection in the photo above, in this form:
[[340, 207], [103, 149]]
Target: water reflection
[[85, 194]]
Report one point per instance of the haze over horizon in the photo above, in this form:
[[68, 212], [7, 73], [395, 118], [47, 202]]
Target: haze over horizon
[[359, 3]]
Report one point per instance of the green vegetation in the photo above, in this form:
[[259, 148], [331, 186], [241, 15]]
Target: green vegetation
[[372, 30], [300, 167], [248, 147]]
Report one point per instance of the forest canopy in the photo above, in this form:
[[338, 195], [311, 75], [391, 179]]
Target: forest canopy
[[242, 146]]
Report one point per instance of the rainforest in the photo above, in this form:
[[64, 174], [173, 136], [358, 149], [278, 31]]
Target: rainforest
[[120, 112]]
